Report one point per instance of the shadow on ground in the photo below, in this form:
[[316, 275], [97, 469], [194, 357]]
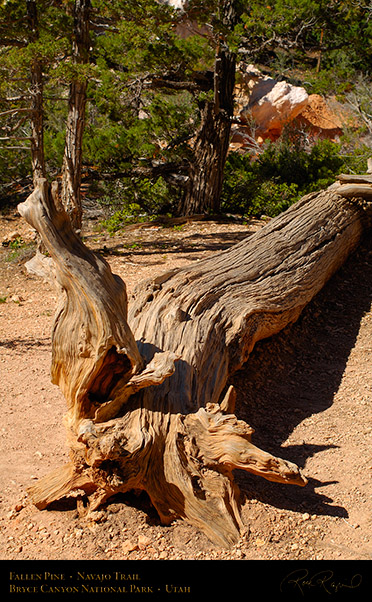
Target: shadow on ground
[[296, 374], [186, 244]]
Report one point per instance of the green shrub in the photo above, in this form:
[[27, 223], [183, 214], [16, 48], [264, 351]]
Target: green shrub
[[135, 201], [273, 198], [285, 171]]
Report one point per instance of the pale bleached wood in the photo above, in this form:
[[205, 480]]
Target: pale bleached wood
[[212, 313], [355, 185], [186, 332], [355, 178], [356, 190], [93, 347]]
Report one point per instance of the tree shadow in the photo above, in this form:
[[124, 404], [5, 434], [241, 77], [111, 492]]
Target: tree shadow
[[296, 374], [23, 344], [193, 243]]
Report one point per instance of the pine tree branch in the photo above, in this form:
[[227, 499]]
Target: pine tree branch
[[16, 138], [10, 129], [152, 171], [18, 110], [201, 82], [13, 42], [26, 148], [15, 98]]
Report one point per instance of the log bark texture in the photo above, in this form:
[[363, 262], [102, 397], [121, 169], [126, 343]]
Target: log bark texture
[[204, 186], [149, 402]]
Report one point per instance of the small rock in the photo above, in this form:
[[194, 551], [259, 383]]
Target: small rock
[[129, 546], [16, 299], [98, 516], [8, 238], [272, 104], [306, 516], [143, 542]]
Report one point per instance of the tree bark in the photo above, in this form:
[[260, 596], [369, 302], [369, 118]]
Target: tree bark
[[72, 161], [148, 395], [37, 102], [203, 192]]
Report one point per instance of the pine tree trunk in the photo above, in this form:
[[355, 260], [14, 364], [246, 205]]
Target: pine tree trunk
[[203, 192], [148, 395], [72, 161], [37, 102]]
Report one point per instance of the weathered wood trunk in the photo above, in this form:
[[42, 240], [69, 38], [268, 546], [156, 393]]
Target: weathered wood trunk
[[148, 396], [72, 160], [204, 188]]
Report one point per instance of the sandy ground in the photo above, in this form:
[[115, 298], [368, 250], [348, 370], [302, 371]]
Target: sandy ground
[[307, 393]]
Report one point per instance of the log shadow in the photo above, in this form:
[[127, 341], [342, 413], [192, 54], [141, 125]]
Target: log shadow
[[296, 374]]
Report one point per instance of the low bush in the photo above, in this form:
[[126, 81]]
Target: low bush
[[285, 171], [132, 200]]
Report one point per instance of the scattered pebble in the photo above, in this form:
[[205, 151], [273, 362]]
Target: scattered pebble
[[143, 542], [129, 546]]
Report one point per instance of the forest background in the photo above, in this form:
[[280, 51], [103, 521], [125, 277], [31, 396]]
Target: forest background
[[110, 100]]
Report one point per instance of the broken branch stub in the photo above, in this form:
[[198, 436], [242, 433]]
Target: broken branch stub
[[189, 331]]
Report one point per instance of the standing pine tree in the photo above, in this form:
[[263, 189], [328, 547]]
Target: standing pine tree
[[36, 92], [211, 145], [73, 155], [34, 41], [22, 88]]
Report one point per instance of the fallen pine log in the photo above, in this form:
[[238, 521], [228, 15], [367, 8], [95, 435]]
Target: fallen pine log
[[149, 406]]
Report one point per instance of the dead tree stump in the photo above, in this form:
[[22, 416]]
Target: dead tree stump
[[149, 405]]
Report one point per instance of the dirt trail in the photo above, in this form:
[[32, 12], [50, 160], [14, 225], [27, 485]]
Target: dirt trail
[[307, 393]]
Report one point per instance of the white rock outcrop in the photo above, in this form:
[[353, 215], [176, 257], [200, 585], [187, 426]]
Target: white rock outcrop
[[272, 105]]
